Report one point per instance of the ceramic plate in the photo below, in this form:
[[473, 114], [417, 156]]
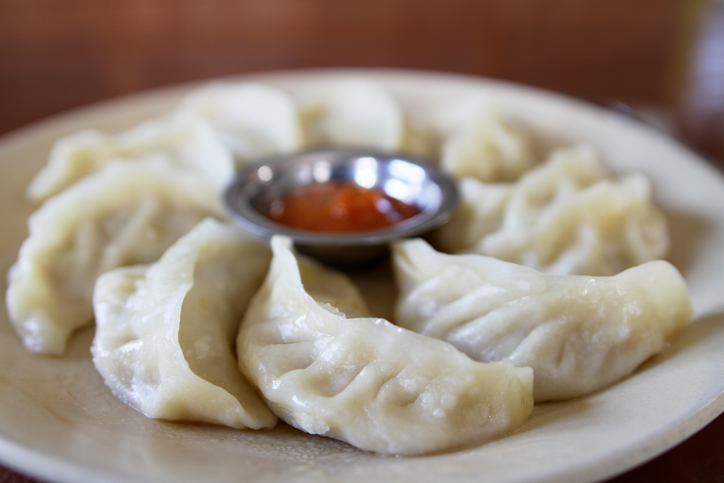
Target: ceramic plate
[[59, 422]]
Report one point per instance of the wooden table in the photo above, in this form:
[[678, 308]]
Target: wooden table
[[58, 55]]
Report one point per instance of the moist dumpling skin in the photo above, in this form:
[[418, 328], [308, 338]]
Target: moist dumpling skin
[[578, 333], [253, 120], [164, 341], [363, 380], [566, 216], [488, 149], [186, 141], [351, 112], [127, 213]]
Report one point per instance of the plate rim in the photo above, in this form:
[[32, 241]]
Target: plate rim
[[638, 454]]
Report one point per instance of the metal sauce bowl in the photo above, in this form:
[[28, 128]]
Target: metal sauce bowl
[[415, 182]]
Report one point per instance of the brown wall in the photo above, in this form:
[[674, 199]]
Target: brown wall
[[57, 54]]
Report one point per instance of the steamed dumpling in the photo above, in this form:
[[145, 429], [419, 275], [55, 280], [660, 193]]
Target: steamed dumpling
[[351, 113], [363, 380], [564, 217], [127, 213], [478, 214], [488, 149], [578, 333], [187, 141], [254, 120], [165, 332]]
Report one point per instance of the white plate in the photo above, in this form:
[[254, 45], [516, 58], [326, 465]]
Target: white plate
[[59, 422]]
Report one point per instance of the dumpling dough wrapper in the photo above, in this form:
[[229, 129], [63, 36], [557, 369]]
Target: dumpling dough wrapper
[[165, 332], [578, 333], [363, 380]]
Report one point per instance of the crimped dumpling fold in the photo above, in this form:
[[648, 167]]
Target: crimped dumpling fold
[[165, 333], [127, 213], [363, 380], [567, 216], [578, 333], [186, 141], [487, 148]]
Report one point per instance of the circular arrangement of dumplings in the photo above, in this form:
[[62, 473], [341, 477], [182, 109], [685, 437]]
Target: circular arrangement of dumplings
[[548, 283]]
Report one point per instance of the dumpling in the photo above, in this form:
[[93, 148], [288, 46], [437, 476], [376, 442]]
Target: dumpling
[[187, 141], [363, 380], [488, 149], [351, 113], [564, 217], [478, 214], [165, 332], [254, 120], [578, 333], [127, 213]]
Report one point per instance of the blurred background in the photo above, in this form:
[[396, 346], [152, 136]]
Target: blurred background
[[55, 55]]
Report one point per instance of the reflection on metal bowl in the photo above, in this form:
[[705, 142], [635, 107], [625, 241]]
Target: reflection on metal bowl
[[419, 184]]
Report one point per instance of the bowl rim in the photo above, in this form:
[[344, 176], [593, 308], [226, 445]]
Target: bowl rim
[[245, 215]]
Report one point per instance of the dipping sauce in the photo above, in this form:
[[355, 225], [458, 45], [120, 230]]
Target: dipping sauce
[[339, 207]]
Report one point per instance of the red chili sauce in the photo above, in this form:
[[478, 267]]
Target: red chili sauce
[[339, 207]]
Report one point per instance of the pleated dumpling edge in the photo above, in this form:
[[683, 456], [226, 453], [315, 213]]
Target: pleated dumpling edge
[[363, 380], [578, 333], [165, 332]]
